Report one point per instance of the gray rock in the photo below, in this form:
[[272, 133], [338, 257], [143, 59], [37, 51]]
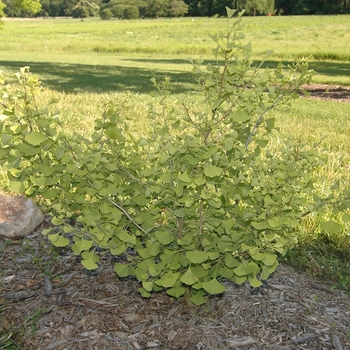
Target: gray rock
[[19, 217]]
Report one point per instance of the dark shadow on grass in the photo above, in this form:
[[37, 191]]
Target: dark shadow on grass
[[75, 78], [330, 68]]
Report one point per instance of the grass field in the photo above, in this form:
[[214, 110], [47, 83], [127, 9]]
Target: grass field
[[131, 48], [85, 63]]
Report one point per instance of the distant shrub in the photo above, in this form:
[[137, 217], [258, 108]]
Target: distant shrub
[[177, 8], [118, 11], [106, 14], [131, 12], [80, 12], [125, 11], [85, 9]]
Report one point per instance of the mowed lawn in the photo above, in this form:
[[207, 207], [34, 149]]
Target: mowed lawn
[[84, 63]]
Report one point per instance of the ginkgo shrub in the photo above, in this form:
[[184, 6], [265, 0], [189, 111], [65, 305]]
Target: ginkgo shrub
[[200, 199]]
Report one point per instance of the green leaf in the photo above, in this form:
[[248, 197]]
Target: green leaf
[[276, 222], [154, 249], [199, 180], [239, 279], [168, 279], [230, 12], [148, 286], [213, 286], [84, 244], [268, 200], [214, 255], [17, 186], [119, 249], [112, 134], [254, 282], [144, 253], [199, 271], [125, 236], [35, 138], [144, 293], [5, 139], [185, 178], [122, 270], [260, 225], [257, 255], [198, 298], [346, 217], [228, 224], [16, 172], [246, 269], [51, 193], [57, 220], [197, 257], [140, 200], [330, 226], [266, 272], [176, 292], [38, 181], [269, 259], [89, 264], [239, 116], [262, 143], [231, 261], [212, 171], [90, 255], [164, 237], [270, 123], [188, 277], [58, 241]]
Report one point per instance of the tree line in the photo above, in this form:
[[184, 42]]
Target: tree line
[[167, 8], [312, 7]]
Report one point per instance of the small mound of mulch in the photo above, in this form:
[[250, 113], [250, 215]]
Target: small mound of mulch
[[338, 93]]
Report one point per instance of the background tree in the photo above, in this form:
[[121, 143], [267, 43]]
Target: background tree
[[304, 7], [254, 7], [218, 7], [56, 8], [157, 8], [150, 8], [21, 8], [85, 8], [2, 14], [31, 6], [131, 12], [106, 14], [177, 8]]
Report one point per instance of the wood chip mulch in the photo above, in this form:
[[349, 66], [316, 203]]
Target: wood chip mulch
[[49, 301]]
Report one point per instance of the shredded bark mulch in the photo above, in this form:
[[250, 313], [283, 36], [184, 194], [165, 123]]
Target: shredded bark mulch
[[49, 301]]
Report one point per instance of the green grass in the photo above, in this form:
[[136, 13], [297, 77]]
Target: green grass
[[324, 37], [141, 47], [86, 63]]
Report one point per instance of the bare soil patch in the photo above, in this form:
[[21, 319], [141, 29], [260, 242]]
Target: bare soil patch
[[55, 304], [338, 93]]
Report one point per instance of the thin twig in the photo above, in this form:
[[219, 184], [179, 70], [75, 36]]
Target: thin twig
[[127, 215], [259, 120]]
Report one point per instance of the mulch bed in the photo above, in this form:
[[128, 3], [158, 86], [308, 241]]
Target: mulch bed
[[54, 303]]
